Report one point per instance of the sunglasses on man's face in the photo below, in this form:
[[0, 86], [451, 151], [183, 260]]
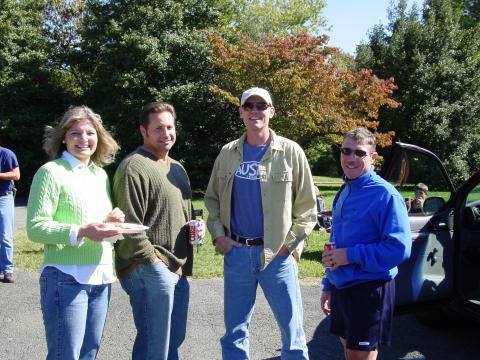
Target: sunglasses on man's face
[[358, 152], [257, 105]]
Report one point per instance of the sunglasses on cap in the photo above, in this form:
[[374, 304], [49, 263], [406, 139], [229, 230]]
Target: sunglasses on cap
[[257, 105], [358, 152]]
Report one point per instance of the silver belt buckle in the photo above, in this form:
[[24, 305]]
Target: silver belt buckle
[[247, 240]]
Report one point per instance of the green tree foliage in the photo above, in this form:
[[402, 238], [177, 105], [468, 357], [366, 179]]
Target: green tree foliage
[[113, 56], [470, 12], [62, 24], [434, 60], [30, 93], [117, 55], [260, 18], [140, 51]]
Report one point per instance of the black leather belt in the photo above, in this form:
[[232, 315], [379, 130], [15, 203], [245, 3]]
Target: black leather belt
[[247, 241], [6, 193]]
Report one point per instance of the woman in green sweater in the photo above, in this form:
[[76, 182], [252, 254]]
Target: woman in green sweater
[[68, 204]]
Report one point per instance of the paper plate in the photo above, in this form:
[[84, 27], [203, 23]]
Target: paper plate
[[129, 228]]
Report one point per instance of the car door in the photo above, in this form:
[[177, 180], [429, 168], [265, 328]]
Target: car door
[[466, 205], [428, 275]]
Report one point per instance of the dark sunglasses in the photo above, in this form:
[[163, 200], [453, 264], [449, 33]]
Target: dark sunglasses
[[358, 152], [257, 105]]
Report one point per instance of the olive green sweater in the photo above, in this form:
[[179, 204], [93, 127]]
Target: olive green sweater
[[159, 196]]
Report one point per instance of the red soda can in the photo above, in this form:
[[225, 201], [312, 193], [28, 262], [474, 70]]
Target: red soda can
[[193, 235], [329, 245]]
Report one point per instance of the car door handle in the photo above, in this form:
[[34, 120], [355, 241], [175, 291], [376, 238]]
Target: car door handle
[[439, 227], [432, 257]]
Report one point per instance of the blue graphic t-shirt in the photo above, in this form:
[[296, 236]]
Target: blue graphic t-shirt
[[247, 213]]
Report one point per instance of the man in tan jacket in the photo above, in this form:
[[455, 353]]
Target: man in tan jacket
[[261, 203]]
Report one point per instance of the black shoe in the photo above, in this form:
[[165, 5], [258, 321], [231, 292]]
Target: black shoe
[[1, 276], [8, 278]]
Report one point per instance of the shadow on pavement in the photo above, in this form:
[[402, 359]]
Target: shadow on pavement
[[324, 345]]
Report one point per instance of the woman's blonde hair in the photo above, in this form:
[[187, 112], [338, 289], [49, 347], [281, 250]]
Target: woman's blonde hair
[[53, 144]]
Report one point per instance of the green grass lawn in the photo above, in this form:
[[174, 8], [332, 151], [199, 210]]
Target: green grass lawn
[[27, 255], [328, 187], [208, 263]]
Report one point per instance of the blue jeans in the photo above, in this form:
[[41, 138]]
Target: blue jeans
[[73, 315], [6, 233], [279, 281], [159, 300]]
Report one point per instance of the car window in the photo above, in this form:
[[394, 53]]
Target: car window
[[421, 182], [473, 197]]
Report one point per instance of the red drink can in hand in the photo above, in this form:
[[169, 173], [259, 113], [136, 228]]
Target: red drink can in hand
[[329, 245], [193, 235]]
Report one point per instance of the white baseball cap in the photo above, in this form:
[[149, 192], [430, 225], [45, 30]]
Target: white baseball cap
[[256, 91]]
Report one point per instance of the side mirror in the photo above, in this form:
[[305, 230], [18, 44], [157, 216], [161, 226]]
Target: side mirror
[[433, 204], [324, 216], [471, 217]]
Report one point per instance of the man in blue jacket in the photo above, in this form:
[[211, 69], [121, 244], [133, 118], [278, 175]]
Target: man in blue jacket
[[372, 237]]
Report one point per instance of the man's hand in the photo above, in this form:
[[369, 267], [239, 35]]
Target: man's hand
[[325, 302], [335, 258], [283, 251], [224, 244], [13, 174], [116, 216]]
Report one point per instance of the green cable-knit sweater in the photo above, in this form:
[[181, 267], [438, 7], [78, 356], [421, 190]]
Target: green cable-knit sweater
[[60, 197], [159, 196]]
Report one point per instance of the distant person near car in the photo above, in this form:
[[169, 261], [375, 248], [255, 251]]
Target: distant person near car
[[9, 172], [153, 265], [68, 206], [416, 205], [372, 237], [261, 204]]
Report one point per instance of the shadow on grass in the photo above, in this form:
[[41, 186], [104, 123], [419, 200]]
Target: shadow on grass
[[315, 255], [39, 251], [198, 194]]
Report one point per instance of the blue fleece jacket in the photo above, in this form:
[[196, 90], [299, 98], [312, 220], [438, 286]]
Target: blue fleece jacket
[[370, 219]]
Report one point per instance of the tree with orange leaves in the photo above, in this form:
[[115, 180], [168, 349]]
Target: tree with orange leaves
[[314, 95]]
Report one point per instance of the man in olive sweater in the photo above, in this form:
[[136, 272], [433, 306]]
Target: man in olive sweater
[[154, 190]]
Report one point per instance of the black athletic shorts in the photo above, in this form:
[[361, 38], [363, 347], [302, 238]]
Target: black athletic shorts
[[362, 314]]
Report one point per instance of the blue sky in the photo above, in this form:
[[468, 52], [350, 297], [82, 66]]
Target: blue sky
[[350, 20]]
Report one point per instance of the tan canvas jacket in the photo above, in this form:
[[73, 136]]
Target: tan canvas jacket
[[288, 194]]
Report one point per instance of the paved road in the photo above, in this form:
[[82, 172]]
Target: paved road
[[22, 334], [20, 213]]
